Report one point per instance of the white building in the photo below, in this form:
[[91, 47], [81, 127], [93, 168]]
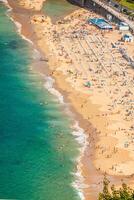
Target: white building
[[123, 26]]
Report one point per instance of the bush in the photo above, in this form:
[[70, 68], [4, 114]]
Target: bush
[[130, 1], [111, 193]]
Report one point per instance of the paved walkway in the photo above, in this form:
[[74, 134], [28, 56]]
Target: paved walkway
[[120, 16]]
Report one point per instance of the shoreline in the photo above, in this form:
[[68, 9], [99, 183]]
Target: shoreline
[[76, 130], [88, 169]]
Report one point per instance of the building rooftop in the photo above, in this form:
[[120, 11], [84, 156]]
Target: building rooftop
[[101, 23]]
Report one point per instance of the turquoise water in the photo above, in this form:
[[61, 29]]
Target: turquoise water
[[56, 9], [37, 149]]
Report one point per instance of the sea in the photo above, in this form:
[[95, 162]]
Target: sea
[[57, 9], [40, 143]]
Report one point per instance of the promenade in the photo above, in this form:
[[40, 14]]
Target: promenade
[[115, 13]]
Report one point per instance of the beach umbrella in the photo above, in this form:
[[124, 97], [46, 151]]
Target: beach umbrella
[[87, 84]]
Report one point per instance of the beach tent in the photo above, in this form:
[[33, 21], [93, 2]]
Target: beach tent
[[87, 84], [128, 38]]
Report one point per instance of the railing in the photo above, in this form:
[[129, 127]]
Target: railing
[[109, 9]]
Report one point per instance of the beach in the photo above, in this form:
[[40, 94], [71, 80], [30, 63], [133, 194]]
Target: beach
[[78, 53], [38, 149]]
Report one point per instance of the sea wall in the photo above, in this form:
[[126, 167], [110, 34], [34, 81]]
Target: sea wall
[[78, 2], [91, 4], [99, 9]]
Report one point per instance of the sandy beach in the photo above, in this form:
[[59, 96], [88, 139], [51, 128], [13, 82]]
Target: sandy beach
[[77, 54], [34, 5]]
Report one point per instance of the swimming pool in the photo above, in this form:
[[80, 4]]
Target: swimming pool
[[101, 23]]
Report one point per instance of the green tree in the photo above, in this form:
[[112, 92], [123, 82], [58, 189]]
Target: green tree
[[105, 195], [111, 193]]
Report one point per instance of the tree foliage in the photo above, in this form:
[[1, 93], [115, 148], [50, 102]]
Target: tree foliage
[[111, 193]]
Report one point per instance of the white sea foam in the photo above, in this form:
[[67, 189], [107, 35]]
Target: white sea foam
[[36, 54], [19, 29], [79, 134], [49, 82], [81, 138], [4, 1], [18, 25]]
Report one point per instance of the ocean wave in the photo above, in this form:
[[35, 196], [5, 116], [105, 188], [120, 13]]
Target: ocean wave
[[19, 29], [81, 138], [49, 82], [78, 132], [36, 54], [4, 1], [18, 25]]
